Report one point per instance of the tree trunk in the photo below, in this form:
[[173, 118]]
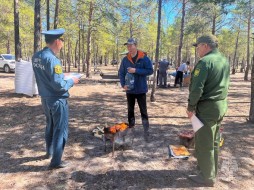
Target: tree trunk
[[131, 26], [69, 55], [79, 49], [152, 57], [214, 23], [242, 66], [96, 55], [75, 55], [24, 50], [176, 54], [101, 59], [152, 98], [16, 29], [83, 52], [248, 44], [56, 14], [237, 63], [236, 47], [195, 51], [117, 54], [37, 25], [105, 60], [64, 57], [8, 49], [48, 16], [88, 54], [251, 115], [179, 57]]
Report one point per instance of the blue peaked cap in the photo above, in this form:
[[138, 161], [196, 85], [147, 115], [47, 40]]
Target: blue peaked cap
[[54, 34], [59, 31]]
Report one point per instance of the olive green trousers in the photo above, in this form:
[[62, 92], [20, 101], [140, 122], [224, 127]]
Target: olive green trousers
[[207, 138]]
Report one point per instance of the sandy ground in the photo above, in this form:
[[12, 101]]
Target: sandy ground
[[144, 166]]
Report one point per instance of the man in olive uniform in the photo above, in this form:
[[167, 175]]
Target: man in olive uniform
[[208, 100], [53, 89]]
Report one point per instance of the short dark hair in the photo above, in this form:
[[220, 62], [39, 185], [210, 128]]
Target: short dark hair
[[49, 41], [187, 62]]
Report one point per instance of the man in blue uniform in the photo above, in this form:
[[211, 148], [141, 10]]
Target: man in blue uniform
[[139, 65], [53, 89]]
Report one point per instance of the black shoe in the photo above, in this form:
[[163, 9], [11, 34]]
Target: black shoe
[[62, 165], [198, 179]]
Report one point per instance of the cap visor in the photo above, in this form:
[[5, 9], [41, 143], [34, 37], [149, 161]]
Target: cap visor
[[195, 44], [128, 43]]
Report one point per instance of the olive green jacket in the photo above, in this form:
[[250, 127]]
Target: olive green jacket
[[209, 79]]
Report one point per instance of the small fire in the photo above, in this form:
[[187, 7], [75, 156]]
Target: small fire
[[118, 127]]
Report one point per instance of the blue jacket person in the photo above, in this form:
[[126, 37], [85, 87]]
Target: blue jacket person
[[139, 65]]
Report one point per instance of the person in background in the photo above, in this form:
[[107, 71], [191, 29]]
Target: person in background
[[163, 67], [137, 63], [208, 100], [179, 74], [53, 89]]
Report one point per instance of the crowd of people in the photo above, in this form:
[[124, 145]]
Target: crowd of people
[[207, 96]]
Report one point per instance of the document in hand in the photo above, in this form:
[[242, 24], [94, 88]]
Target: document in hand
[[196, 123], [71, 75]]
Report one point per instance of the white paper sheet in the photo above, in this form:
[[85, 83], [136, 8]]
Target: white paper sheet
[[71, 75], [196, 123]]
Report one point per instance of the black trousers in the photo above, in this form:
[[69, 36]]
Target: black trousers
[[163, 78], [141, 99], [179, 76]]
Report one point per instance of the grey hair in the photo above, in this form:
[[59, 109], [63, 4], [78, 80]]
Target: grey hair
[[213, 45]]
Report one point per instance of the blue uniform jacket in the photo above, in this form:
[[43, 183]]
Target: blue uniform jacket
[[49, 75], [143, 67]]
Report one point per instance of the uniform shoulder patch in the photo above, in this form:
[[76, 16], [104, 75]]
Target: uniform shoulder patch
[[58, 69], [196, 72]]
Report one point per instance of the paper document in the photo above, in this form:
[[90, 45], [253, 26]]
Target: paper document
[[71, 75], [196, 123]]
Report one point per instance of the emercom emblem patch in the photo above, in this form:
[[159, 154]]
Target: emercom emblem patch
[[58, 69], [196, 72]]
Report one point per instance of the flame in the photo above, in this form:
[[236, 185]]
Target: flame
[[118, 127]]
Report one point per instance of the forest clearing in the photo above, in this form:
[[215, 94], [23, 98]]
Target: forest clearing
[[144, 166], [185, 51]]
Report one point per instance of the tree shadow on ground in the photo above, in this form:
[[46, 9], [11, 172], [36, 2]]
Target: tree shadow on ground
[[10, 94], [15, 165], [134, 179]]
